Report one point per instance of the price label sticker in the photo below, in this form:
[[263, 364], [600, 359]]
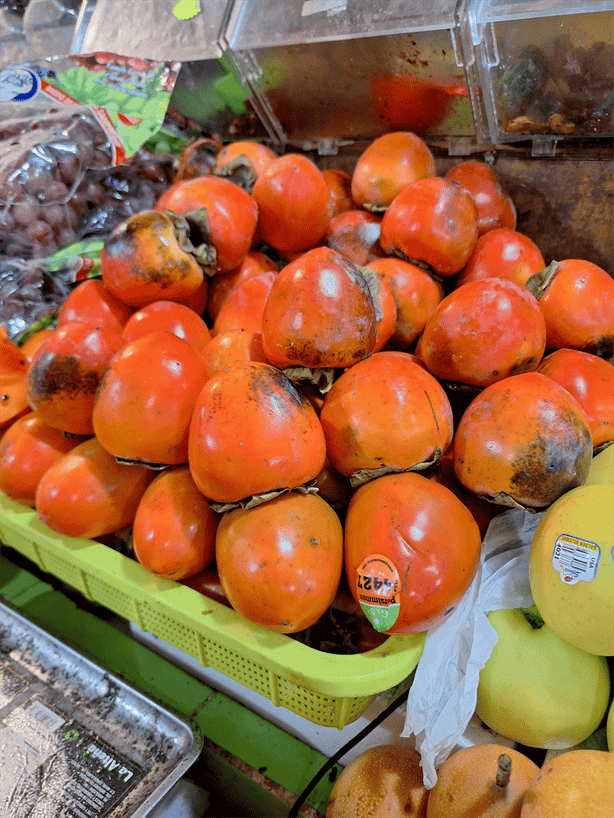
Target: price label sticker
[[575, 559], [377, 587]]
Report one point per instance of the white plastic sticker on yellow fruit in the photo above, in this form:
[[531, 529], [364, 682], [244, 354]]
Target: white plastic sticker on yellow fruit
[[575, 559]]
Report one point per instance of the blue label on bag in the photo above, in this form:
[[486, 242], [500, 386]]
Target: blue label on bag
[[18, 84]]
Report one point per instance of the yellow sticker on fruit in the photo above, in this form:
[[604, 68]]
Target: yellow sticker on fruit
[[377, 589], [575, 559]]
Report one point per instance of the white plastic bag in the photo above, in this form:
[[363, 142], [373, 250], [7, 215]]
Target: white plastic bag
[[443, 695]]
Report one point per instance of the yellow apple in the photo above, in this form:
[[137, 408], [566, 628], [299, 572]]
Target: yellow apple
[[602, 468], [571, 568]]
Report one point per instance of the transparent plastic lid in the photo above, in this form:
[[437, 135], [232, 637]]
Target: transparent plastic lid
[[254, 23]]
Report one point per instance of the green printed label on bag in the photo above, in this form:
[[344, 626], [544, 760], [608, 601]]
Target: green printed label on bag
[[377, 589]]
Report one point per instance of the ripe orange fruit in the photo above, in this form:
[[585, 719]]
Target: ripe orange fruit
[[523, 440], [174, 526], [411, 551], [390, 163], [280, 562], [251, 432]]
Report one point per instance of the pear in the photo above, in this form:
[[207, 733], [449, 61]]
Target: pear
[[383, 781], [536, 688], [577, 784], [482, 781]]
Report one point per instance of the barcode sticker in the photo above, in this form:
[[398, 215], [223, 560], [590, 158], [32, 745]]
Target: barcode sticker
[[575, 559]]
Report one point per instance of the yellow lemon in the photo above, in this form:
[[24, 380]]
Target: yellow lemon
[[571, 568]]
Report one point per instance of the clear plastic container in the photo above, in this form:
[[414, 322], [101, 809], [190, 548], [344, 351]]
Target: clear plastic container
[[36, 29], [325, 71], [540, 70]]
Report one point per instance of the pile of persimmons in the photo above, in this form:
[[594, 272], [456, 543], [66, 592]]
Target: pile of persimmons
[[299, 381]]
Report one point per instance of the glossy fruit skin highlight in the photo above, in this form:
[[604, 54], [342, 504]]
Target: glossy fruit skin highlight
[[91, 303], [339, 188], [244, 307], [280, 562], [88, 494], [145, 401], [386, 411], [425, 533], [577, 306], [292, 197], [390, 163], [252, 432], [231, 214], [495, 206], [434, 221], [482, 332], [590, 380], [504, 253], [319, 313], [174, 526], [416, 294], [142, 261], [65, 373], [243, 161], [355, 234], [170, 316], [27, 449], [221, 285], [466, 784], [524, 439], [231, 346]]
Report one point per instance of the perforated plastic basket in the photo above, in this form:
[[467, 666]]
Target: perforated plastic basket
[[327, 689]]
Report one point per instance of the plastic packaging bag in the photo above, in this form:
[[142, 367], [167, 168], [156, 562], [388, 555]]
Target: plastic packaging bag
[[443, 695], [60, 121]]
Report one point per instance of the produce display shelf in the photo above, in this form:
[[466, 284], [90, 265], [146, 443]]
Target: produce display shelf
[[330, 690]]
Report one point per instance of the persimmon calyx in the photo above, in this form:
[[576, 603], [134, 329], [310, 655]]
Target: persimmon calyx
[[358, 478], [187, 228], [258, 499]]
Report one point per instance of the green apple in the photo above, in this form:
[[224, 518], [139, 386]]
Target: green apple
[[571, 568], [538, 689], [609, 728]]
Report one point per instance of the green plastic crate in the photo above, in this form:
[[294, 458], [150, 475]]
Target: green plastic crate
[[327, 689]]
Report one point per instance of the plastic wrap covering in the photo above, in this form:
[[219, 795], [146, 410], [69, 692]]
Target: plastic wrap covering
[[29, 290], [64, 124], [36, 29]]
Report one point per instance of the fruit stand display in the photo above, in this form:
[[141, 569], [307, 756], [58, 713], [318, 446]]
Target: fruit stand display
[[327, 404]]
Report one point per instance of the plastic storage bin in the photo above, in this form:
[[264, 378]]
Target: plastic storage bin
[[327, 689], [326, 71], [540, 70]]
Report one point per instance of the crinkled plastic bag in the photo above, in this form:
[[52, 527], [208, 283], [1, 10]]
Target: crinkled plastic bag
[[61, 121], [443, 695]]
